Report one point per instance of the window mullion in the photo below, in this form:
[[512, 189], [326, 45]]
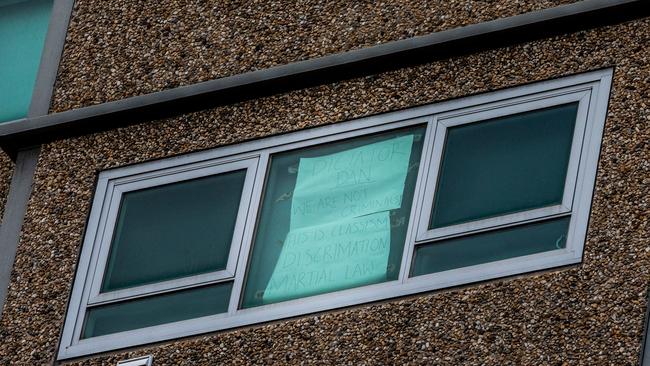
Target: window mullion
[[105, 233], [576, 151], [160, 288], [564, 213], [502, 221], [249, 231], [416, 207]]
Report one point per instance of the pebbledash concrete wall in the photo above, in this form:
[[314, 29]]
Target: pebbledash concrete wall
[[117, 49], [6, 170], [589, 314]]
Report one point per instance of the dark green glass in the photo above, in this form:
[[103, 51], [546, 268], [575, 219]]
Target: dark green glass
[[490, 246], [275, 214], [174, 230], [156, 310], [504, 165]]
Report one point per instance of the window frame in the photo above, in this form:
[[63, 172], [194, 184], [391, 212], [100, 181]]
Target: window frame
[[148, 180], [594, 86], [495, 110], [113, 191]]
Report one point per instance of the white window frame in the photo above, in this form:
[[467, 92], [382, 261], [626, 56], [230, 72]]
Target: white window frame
[[495, 110], [114, 189], [590, 89]]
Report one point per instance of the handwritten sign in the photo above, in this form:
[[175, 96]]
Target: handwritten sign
[[351, 183], [339, 233], [332, 256]]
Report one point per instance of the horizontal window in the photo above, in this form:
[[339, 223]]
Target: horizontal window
[[411, 201]]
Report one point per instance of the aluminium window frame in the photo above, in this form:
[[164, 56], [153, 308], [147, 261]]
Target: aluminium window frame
[[112, 192], [483, 113], [119, 187], [596, 84]]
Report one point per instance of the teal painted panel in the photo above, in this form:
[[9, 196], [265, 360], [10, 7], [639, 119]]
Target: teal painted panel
[[490, 246], [156, 310], [333, 217], [504, 165], [174, 230], [23, 27]]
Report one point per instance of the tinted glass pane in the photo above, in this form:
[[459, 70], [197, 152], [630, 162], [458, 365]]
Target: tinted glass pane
[[156, 310], [504, 165], [23, 26], [174, 230], [333, 217], [490, 246]]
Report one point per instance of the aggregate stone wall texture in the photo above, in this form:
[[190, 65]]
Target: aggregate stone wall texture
[[6, 171], [117, 49], [590, 314]]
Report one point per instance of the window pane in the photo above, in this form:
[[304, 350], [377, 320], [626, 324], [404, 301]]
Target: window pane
[[23, 26], [490, 246], [504, 165], [174, 230], [156, 310], [333, 217]]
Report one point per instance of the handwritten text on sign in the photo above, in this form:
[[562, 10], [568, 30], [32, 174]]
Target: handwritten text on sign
[[351, 183], [332, 256], [339, 233]]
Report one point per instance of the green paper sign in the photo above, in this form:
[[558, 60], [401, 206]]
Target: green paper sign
[[351, 183], [339, 225], [330, 257]]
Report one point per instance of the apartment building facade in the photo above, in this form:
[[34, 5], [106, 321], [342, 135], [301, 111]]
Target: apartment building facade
[[325, 182]]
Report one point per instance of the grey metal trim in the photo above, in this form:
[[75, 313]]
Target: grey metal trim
[[50, 57], [644, 359], [366, 61], [21, 182], [19, 192]]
